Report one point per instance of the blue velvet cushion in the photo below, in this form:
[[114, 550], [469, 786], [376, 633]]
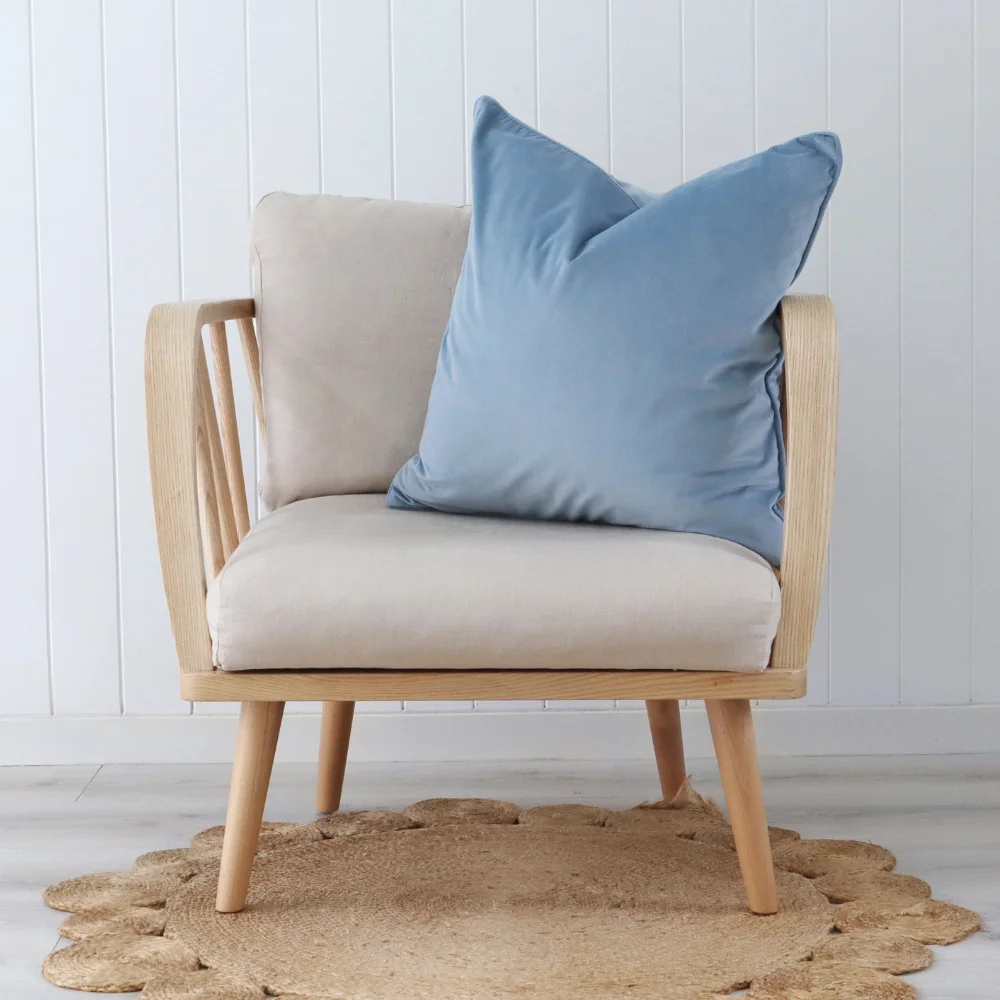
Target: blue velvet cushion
[[614, 355]]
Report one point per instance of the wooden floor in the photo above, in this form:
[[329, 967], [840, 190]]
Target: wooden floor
[[941, 816]]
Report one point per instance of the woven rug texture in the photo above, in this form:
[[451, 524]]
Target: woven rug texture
[[477, 899]]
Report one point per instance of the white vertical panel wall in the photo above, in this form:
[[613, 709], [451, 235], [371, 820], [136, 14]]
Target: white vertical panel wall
[[936, 354], [356, 98], [24, 677], [574, 101], [135, 143], [791, 44], [865, 267], [646, 75], [986, 356], [144, 267], [573, 97], [428, 119], [77, 353]]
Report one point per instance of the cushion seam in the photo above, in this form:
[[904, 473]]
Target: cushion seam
[[834, 176], [260, 338], [776, 428], [528, 130], [218, 618], [260, 360]]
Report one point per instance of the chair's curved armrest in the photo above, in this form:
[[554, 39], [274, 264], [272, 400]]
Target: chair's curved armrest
[[809, 338], [173, 354]]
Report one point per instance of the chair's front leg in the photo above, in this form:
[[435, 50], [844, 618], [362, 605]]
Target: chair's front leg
[[334, 738], [736, 751], [668, 745], [260, 723]]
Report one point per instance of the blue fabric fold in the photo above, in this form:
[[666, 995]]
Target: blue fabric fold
[[614, 355]]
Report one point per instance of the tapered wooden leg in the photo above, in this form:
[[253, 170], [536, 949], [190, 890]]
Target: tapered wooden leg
[[335, 735], [736, 750], [668, 745], [260, 722]]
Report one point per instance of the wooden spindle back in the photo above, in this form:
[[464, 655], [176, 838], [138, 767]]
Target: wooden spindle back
[[224, 505]]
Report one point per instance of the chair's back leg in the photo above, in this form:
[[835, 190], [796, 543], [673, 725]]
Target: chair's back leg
[[736, 751], [260, 722], [335, 736], [668, 745]]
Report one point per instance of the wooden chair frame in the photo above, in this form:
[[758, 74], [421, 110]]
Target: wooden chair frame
[[201, 511]]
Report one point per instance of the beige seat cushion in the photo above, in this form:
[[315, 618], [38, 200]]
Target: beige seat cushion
[[345, 582], [352, 300]]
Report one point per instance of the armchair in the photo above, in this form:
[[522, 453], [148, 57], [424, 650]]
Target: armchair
[[417, 647]]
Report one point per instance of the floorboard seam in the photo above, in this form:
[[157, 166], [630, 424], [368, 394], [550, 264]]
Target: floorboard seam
[[89, 783]]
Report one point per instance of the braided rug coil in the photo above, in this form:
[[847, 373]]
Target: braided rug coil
[[463, 899]]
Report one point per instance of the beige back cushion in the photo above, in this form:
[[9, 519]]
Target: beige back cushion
[[353, 297]]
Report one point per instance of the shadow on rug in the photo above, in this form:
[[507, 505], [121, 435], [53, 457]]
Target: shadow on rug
[[462, 899]]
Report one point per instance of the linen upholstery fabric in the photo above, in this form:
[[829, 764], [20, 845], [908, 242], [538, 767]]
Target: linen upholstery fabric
[[347, 582], [352, 299], [615, 356]]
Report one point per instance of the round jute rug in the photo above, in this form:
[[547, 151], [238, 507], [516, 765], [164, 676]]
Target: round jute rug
[[465, 899]]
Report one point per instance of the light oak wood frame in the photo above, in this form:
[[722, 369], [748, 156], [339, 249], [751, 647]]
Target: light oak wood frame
[[201, 512]]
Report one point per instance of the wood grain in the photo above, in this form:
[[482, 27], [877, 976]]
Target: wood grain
[[173, 345], [176, 365], [499, 685], [208, 506], [257, 737], [334, 739], [210, 424], [226, 405], [251, 355], [809, 337], [668, 744], [736, 752]]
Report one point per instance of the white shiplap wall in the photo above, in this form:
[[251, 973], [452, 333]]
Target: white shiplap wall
[[135, 137]]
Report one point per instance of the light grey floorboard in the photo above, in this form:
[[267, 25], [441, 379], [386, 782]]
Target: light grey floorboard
[[32, 798], [941, 816]]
